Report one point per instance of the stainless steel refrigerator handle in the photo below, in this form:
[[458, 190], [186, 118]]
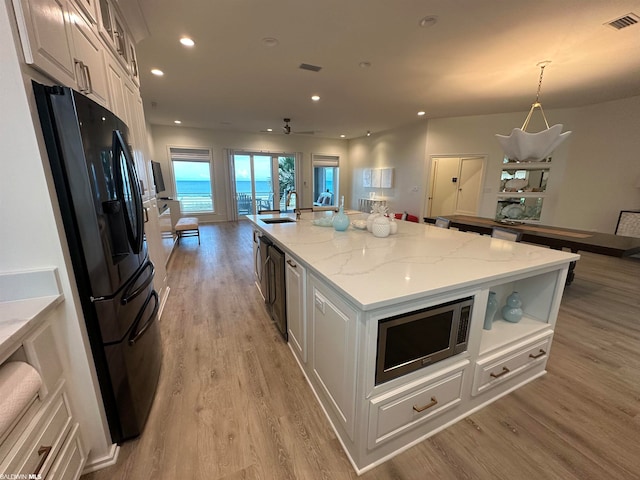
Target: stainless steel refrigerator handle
[[134, 337], [128, 296]]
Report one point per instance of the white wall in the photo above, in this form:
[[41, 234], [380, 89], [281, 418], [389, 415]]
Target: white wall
[[402, 149], [31, 231], [218, 141], [594, 173], [603, 166]]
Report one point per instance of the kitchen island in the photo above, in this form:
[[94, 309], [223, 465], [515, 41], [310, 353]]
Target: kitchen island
[[340, 286]]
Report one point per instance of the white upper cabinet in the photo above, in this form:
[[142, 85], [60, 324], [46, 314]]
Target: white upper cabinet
[[58, 40], [91, 73], [45, 35], [90, 9], [113, 29]]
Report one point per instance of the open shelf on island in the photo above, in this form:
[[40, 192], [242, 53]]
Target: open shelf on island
[[503, 333]]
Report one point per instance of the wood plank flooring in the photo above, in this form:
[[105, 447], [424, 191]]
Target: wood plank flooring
[[232, 403]]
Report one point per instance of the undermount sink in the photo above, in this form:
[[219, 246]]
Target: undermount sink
[[278, 220]]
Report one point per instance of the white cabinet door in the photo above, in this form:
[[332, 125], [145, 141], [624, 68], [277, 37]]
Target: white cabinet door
[[90, 9], [91, 71], [116, 78], [157, 253], [333, 363], [296, 308], [137, 135], [46, 37]]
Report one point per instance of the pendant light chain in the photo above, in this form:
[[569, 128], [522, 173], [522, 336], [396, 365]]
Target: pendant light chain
[[540, 83], [537, 103]]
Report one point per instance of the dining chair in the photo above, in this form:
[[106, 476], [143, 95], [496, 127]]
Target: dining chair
[[442, 222], [506, 234]]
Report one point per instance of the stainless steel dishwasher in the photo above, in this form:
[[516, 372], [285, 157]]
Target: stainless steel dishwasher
[[273, 283]]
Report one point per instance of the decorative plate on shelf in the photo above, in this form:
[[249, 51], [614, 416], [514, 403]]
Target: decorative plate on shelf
[[513, 211], [517, 183]]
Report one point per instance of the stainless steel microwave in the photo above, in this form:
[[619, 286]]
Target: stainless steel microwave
[[414, 340]]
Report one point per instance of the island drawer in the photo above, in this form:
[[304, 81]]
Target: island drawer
[[70, 462], [38, 447], [393, 413], [497, 369]]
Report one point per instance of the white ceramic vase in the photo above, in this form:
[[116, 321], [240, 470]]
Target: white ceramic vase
[[370, 219], [381, 227], [393, 226]]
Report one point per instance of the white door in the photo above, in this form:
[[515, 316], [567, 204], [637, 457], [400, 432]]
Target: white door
[[469, 185], [444, 186], [456, 184]]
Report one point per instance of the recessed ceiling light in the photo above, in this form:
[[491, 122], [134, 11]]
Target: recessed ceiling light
[[177, 122], [270, 42], [187, 42], [342, 136], [157, 72], [428, 21], [315, 98], [368, 133], [269, 129], [421, 113]]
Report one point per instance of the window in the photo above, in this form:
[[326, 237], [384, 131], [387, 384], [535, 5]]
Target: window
[[325, 180], [192, 174], [263, 181]]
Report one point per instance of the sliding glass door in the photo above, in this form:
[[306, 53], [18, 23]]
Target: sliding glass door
[[263, 181]]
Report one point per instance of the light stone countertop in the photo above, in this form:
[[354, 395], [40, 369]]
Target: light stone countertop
[[419, 260], [25, 300]]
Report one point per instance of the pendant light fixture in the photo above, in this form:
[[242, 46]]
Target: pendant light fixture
[[522, 146]]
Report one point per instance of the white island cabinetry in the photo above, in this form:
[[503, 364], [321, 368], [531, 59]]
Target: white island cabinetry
[[333, 330], [355, 281], [296, 278]]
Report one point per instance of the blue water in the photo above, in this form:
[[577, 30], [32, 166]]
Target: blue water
[[244, 186], [193, 188]]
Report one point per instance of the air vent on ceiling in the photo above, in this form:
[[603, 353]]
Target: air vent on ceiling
[[625, 21], [312, 68]]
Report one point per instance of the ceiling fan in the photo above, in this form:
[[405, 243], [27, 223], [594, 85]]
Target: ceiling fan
[[286, 129]]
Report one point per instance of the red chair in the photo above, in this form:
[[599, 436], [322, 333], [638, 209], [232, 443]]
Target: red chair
[[407, 217]]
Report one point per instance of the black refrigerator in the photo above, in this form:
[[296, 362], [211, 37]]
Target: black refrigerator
[[101, 207]]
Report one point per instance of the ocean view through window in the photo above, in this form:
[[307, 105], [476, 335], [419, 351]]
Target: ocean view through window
[[192, 173]]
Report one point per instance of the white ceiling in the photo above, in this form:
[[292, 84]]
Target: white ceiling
[[479, 58]]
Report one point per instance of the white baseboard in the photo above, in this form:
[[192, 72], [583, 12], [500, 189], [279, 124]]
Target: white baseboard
[[94, 464]]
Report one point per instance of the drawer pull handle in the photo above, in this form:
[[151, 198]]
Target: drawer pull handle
[[542, 353], [432, 403], [504, 371], [293, 265], [43, 452]]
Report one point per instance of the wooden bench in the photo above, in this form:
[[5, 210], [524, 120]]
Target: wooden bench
[[188, 227]]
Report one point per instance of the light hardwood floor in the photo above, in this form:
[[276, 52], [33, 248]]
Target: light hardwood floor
[[233, 404]]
